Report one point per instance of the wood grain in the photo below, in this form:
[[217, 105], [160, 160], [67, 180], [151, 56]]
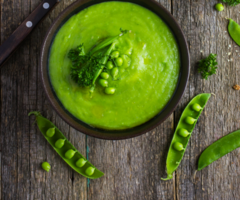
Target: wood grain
[[133, 167]]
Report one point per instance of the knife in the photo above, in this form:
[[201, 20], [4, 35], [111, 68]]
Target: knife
[[9, 45]]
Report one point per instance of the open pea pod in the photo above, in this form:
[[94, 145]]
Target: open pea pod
[[65, 149], [183, 132]]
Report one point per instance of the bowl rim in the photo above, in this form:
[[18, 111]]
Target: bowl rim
[[95, 132]]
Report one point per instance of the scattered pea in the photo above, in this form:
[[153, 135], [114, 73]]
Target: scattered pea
[[81, 162], [110, 90], [59, 143], [115, 54], [114, 72], [196, 107], [50, 132], [183, 132], [190, 120], [90, 171], [219, 7], [46, 166], [119, 61], [178, 146], [70, 153], [110, 65], [104, 75], [103, 82]]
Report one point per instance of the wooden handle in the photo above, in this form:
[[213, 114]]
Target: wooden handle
[[8, 46]]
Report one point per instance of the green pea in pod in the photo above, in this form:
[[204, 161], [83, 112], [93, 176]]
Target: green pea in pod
[[50, 132], [183, 132], [81, 162], [90, 170], [59, 143], [46, 166], [70, 153]]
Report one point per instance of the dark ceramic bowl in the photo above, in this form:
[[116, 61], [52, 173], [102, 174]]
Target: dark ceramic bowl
[[128, 133]]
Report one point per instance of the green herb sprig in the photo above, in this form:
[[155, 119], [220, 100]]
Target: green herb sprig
[[232, 2], [207, 66]]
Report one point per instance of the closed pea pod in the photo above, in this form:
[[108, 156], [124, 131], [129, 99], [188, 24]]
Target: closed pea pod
[[65, 146], [234, 31], [183, 133], [218, 149]]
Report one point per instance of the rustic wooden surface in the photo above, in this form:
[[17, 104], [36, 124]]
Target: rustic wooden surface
[[132, 167]]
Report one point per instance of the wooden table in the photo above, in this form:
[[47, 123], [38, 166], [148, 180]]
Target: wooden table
[[132, 167]]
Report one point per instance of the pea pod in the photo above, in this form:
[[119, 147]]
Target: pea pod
[[234, 31], [218, 149], [67, 151], [183, 132]]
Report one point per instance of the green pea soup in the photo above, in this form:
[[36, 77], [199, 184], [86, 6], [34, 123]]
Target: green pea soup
[[147, 78]]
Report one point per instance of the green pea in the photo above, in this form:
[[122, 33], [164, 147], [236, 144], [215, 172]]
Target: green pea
[[114, 54], [114, 72], [70, 153], [110, 90], [59, 143], [178, 146], [46, 166], [103, 82], [50, 132], [219, 7], [104, 75], [234, 31], [81, 162], [119, 61], [183, 132], [190, 120], [110, 65], [196, 107], [90, 170]]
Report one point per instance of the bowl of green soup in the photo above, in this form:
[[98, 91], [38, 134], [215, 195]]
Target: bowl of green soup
[[114, 69]]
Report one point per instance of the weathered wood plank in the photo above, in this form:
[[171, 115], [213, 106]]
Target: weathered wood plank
[[133, 167], [206, 31]]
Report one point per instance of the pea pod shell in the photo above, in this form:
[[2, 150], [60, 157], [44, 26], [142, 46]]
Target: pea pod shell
[[174, 157], [218, 149], [43, 125], [234, 31]]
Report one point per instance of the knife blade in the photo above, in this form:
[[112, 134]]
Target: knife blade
[[14, 40]]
